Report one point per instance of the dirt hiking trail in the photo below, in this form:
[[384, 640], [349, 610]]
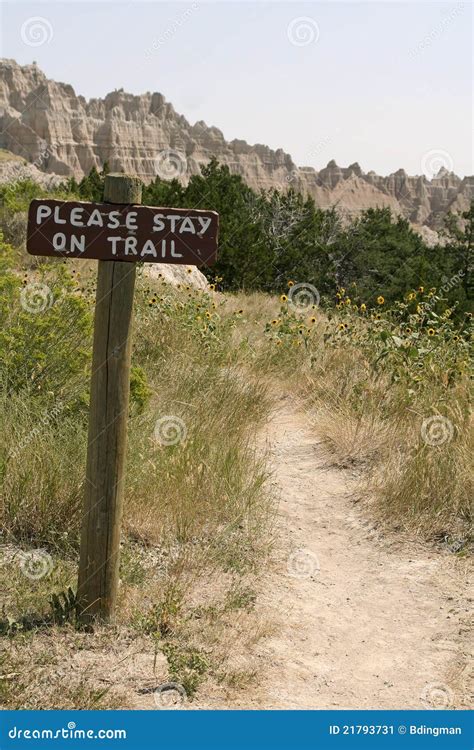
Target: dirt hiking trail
[[358, 619]]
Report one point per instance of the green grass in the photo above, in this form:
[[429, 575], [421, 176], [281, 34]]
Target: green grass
[[9, 156]]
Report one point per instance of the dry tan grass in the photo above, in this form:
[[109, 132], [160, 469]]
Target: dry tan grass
[[180, 616], [197, 516], [370, 423]]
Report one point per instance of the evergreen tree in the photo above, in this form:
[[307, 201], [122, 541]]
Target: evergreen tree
[[382, 256], [459, 255]]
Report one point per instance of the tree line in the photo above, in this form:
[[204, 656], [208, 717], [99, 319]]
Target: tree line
[[269, 237]]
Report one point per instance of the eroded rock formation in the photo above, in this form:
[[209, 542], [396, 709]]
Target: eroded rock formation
[[61, 133]]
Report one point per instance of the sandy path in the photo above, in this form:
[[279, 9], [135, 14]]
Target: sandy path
[[358, 620]]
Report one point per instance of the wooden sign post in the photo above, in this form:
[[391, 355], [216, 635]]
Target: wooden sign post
[[116, 230], [108, 417]]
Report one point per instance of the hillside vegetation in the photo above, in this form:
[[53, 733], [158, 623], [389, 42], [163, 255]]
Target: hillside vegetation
[[365, 327]]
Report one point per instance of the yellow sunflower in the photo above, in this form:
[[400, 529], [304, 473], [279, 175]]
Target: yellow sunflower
[[380, 300]]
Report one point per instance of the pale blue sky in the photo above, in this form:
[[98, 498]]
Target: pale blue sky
[[384, 84]]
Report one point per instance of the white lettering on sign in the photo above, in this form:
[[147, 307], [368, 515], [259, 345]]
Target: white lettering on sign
[[148, 249], [131, 246], [42, 212], [114, 241], [173, 218], [59, 242], [111, 220], [114, 220], [205, 222], [132, 232], [165, 246], [187, 225], [131, 220], [75, 243], [159, 225], [165, 249], [95, 219], [57, 218], [193, 224], [78, 243], [76, 217]]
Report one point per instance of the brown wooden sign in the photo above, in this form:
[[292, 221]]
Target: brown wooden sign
[[108, 231]]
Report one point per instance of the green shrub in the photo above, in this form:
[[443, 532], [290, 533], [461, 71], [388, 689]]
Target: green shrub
[[45, 331]]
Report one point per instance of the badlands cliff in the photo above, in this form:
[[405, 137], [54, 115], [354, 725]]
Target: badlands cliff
[[61, 133]]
